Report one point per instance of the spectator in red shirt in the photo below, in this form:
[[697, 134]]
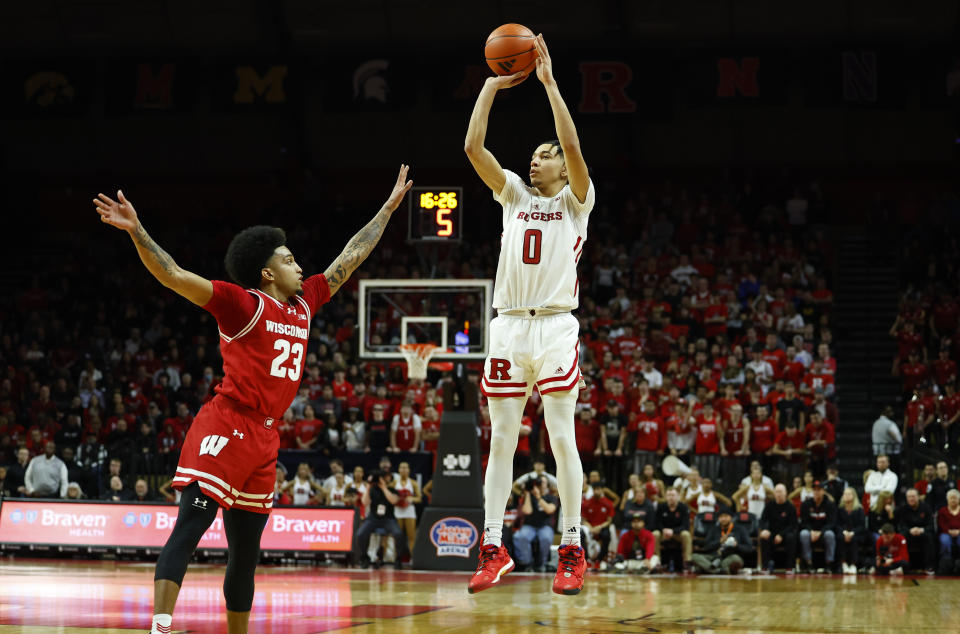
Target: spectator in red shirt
[[908, 340], [922, 485], [774, 355], [586, 434], [918, 415], [42, 405], [763, 435], [818, 379], [380, 398], [944, 368], [949, 413], [182, 420], [596, 514], [944, 316], [948, 527], [892, 554], [430, 431], [820, 441], [651, 436], [307, 429], [287, 430], [707, 444], [636, 548], [342, 389], [912, 373], [789, 446]]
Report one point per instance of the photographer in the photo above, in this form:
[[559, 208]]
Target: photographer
[[538, 509], [380, 498], [723, 547]]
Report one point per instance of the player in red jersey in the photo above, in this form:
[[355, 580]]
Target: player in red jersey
[[230, 453]]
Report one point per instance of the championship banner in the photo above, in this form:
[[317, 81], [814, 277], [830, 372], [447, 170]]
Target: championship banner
[[149, 526]]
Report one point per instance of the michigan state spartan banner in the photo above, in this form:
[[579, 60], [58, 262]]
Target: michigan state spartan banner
[[449, 533]]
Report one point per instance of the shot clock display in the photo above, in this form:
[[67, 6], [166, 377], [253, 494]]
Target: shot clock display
[[435, 214]]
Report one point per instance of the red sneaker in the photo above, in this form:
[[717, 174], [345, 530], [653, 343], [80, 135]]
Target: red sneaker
[[494, 563], [573, 564]]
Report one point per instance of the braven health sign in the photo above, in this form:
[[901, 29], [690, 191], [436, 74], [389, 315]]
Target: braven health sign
[[149, 525]]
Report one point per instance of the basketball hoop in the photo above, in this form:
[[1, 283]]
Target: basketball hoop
[[418, 356]]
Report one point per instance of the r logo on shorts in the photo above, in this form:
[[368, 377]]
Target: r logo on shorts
[[499, 370]]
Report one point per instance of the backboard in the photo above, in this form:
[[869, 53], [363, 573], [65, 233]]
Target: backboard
[[452, 313]]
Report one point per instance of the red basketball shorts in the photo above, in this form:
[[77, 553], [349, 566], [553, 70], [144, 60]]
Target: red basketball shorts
[[231, 452]]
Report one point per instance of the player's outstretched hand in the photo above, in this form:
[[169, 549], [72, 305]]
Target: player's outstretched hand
[[121, 214], [400, 189], [500, 82], [544, 64]]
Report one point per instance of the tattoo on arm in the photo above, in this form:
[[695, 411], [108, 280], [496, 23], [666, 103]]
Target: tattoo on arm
[[356, 251], [148, 248]]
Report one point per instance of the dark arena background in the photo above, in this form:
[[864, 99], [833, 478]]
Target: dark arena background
[[774, 237]]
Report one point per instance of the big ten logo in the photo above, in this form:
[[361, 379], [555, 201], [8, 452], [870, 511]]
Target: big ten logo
[[267, 87], [453, 537]]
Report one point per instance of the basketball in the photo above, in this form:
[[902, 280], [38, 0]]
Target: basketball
[[510, 49]]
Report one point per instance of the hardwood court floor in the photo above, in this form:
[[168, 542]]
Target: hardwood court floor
[[41, 596]]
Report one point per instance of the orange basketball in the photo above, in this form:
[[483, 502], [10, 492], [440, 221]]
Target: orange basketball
[[510, 49]]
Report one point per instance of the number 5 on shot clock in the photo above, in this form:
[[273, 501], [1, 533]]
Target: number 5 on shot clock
[[435, 214]]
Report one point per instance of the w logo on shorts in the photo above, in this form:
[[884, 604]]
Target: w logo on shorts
[[213, 444]]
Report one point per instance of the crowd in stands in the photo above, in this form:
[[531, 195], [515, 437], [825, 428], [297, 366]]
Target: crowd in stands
[[706, 335]]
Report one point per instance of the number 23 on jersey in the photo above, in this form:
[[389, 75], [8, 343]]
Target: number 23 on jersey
[[288, 362]]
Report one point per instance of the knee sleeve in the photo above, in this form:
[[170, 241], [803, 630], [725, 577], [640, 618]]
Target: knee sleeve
[[197, 512], [243, 529]]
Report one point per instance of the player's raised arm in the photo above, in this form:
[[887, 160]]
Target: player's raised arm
[[360, 245], [483, 161], [122, 215], [577, 172]]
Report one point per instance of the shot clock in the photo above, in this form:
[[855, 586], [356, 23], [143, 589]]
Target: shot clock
[[435, 214]]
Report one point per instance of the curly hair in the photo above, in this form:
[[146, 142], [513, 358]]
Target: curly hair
[[249, 251]]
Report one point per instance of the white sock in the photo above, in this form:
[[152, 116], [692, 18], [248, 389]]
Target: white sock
[[558, 413], [493, 532], [505, 415], [570, 528], [161, 624]]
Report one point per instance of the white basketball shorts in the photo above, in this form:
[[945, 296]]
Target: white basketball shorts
[[527, 351]]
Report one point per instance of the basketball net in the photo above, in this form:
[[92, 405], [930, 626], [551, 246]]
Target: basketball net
[[418, 357]]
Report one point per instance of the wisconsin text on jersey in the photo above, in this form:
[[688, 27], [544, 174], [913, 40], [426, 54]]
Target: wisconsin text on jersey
[[287, 329]]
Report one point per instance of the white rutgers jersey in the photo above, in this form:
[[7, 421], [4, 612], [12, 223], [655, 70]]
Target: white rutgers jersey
[[541, 244]]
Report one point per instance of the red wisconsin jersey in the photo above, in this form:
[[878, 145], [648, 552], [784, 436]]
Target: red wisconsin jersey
[[263, 342]]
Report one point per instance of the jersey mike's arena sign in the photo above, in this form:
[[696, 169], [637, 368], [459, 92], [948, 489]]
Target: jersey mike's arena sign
[[453, 537], [149, 525]]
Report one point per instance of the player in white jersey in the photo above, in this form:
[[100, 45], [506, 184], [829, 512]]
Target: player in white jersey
[[708, 500], [336, 490], [302, 486], [534, 339], [755, 492]]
